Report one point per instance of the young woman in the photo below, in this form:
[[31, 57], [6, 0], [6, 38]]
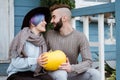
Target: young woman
[[27, 46]]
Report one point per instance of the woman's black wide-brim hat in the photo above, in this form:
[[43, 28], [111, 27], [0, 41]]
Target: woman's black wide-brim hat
[[31, 13]]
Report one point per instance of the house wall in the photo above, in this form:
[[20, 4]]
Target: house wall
[[21, 7]]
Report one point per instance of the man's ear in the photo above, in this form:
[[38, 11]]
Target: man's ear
[[64, 18]]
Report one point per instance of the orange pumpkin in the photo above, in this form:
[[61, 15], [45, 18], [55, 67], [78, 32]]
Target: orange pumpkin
[[55, 59]]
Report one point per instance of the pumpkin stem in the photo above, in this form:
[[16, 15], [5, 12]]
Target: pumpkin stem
[[50, 50]]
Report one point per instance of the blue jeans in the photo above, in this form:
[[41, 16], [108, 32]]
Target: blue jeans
[[91, 74], [59, 75]]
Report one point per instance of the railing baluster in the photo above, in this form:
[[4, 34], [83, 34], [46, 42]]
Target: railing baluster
[[101, 44], [86, 26]]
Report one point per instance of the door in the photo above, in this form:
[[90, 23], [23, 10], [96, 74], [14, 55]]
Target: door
[[6, 27]]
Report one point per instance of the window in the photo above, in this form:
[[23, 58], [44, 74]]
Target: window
[[98, 0], [86, 3]]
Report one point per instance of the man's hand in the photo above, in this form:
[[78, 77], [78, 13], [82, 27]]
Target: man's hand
[[66, 66], [42, 60]]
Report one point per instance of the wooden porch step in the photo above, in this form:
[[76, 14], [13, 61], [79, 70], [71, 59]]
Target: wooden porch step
[[3, 77]]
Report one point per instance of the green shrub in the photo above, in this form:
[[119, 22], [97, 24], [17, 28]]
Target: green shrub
[[48, 3]]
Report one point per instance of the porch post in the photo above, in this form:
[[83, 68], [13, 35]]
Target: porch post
[[117, 17], [101, 44]]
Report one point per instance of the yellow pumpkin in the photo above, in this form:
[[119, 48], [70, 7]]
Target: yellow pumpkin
[[55, 59]]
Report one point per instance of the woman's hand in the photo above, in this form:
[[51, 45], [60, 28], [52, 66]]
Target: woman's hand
[[66, 66], [42, 60]]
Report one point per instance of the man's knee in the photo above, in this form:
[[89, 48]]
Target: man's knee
[[94, 74], [59, 75]]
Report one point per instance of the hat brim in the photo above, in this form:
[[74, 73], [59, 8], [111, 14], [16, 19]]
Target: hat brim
[[31, 13]]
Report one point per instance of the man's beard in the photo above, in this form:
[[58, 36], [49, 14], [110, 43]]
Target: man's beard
[[58, 25]]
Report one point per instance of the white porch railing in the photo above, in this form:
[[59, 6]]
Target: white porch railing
[[98, 9], [100, 43]]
